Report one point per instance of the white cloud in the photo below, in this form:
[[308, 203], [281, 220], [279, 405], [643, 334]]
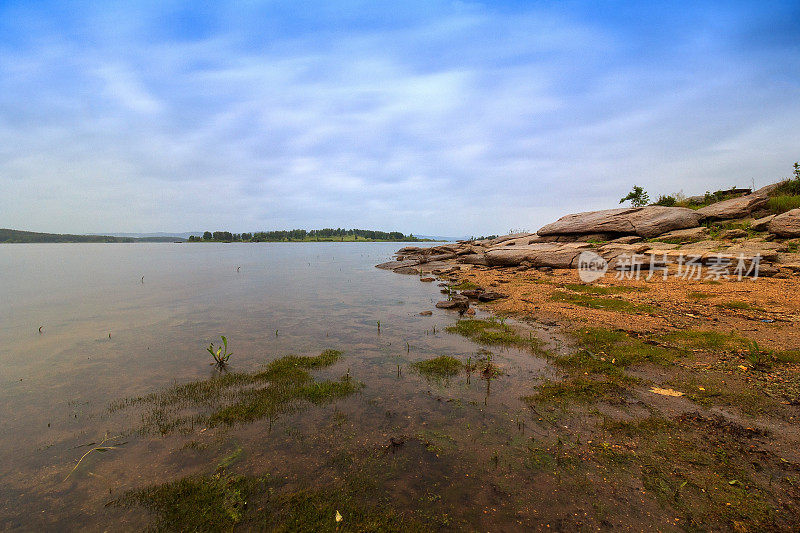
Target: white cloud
[[461, 121]]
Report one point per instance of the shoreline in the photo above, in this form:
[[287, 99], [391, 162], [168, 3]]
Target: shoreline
[[710, 366]]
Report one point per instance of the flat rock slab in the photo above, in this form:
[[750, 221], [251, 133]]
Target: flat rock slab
[[648, 222], [685, 235], [738, 207], [554, 255], [394, 265], [786, 224]]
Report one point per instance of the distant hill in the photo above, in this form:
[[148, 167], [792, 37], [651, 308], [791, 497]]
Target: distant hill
[[17, 236]]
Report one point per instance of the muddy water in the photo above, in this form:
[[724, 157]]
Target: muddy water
[[121, 321]]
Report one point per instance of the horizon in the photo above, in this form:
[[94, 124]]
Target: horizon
[[432, 118]]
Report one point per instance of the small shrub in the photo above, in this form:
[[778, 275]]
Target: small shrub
[[666, 201]]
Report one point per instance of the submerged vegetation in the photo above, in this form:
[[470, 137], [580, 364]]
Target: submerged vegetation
[[443, 366], [236, 398], [493, 332]]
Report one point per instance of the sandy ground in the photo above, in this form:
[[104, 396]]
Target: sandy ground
[[766, 310]]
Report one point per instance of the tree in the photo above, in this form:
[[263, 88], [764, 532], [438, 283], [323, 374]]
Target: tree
[[637, 196], [207, 236]]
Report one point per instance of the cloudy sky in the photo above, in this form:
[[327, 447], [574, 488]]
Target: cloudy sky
[[432, 117]]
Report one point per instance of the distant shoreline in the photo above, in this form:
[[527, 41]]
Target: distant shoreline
[[10, 236]]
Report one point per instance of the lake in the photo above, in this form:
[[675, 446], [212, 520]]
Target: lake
[[124, 321]]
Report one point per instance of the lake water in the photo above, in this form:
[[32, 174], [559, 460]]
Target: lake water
[[126, 320]]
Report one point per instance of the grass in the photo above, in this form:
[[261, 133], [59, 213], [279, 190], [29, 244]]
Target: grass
[[596, 302], [360, 493], [596, 371], [782, 203], [578, 389], [197, 503], [443, 366], [493, 332], [739, 305], [711, 389], [465, 286], [234, 398], [705, 340], [696, 295], [596, 289], [709, 480]]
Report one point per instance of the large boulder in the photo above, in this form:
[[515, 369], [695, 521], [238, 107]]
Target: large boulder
[[786, 224], [738, 207], [553, 255], [648, 222]]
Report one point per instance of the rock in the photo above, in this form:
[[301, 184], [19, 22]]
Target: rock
[[393, 265], [426, 313], [472, 293], [648, 222], [767, 271], [786, 224], [513, 236], [491, 296], [437, 257], [630, 239], [427, 280], [407, 270], [738, 207], [761, 223], [456, 302], [473, 259], [554, 255], [470, 311], [612, 252], [685, 235], [733, 233], [410, 250]]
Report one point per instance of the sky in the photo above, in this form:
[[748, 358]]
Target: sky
[[451, 118]]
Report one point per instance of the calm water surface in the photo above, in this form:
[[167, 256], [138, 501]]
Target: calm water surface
[[125, 320]]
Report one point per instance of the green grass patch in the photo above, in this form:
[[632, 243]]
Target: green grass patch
[[198, 503], [493, 332], [705, 340], [739, 305], [622, 350], [596, 302], [284, 385], [696, 295], [578, 389], [465, 286], [595, 289], [787, 356], [443, 366], [715, 389], [782, 203]]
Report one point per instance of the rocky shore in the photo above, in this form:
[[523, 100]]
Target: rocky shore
[[735, 229], [680, 392]]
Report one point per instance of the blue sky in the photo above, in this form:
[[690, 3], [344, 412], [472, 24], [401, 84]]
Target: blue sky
[[432, 117]]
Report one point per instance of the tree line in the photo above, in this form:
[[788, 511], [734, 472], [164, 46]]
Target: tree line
[[325, 234]]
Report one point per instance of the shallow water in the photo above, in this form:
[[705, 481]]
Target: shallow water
[[125, 320]]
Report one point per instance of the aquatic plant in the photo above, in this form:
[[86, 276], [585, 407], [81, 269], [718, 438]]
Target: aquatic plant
[[99, 448], [439, 367], [221, 354]]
